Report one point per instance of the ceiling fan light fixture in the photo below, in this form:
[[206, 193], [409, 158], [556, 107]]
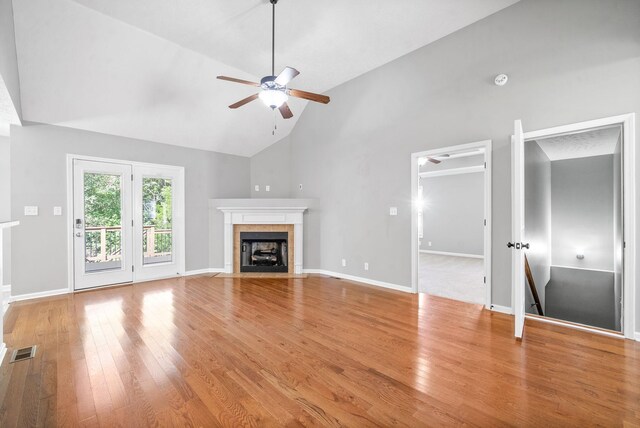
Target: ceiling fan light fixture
[[273, 98]]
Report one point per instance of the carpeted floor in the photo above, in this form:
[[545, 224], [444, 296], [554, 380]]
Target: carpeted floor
[[459, 278]]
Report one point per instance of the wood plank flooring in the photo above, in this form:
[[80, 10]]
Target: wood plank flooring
[[209, 351]]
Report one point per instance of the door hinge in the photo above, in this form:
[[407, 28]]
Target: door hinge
[[131, 177], [132, 268], [485, 221], [131, 222], [485, 280], [485, 165]]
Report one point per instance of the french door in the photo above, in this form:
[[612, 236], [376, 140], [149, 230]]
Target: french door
[[128, 222], [103, 236]]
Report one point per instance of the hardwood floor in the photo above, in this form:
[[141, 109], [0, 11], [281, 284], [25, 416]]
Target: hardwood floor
[[207, 351]]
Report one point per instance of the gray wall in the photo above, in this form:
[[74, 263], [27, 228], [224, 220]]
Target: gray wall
[[618, 237], [582, 296], [5, 207], [537, 218], [354, 154], [272, 167], [8, 58], [38, 177], [453, 214], [582, 212]]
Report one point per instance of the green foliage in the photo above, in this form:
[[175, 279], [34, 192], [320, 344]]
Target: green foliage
[[157, 197], [102, 205], [102, 200]]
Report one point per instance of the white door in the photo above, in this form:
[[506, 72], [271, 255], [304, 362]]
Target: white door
[[159, 221], [103, 238], [517, 222]]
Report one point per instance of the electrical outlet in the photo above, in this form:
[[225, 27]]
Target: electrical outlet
[[429, 243], [393, 211], [344, 262], [257, 188], [366, 265], [267, 188], [57, 210], [30, 210]]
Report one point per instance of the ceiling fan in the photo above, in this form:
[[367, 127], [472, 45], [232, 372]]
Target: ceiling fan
[[273, 89]]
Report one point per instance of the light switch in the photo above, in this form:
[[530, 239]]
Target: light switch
[[267, 188], [57, 210], [257, 188], [393, 211], [30, 210]]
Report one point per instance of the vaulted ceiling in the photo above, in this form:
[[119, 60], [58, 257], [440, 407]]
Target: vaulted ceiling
[[146, 69]]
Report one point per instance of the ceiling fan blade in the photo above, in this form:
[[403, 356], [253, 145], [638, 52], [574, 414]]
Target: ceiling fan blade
[[434, 160], [286, 76], [233, 79], [309, 96], [244, 101], [285, 111]]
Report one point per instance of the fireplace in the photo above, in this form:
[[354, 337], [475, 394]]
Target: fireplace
[[264, 252], [277, 252]]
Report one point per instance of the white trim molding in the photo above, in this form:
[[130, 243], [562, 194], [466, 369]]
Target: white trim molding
[[481, 147], [627, 121], [502, 309], [445, 253], [354, 278], [203, 271], [263, 215], [575, 326], [453, 171], [5, 291], [39, 294]]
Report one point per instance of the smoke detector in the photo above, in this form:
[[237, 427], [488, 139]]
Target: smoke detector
[[501, 79]]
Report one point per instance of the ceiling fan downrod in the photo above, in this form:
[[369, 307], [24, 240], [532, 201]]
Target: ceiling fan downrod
[[273, 36]]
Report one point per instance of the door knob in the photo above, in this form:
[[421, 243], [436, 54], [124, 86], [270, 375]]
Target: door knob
[[79, 234]]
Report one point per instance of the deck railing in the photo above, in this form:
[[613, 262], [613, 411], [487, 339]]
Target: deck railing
[[103, 243]]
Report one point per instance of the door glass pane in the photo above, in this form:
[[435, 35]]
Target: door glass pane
[[157, 213], [102, 222]]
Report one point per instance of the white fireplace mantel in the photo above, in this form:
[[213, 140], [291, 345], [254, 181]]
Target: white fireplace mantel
[[3, 225], [263, 215]]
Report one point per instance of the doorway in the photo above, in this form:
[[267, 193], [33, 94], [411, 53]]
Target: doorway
[[127, 222], [451, 222], [573, 222]]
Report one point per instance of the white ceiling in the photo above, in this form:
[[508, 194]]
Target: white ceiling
[[146, 68], [581, 145]]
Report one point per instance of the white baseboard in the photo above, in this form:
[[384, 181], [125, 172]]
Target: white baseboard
[[66, 290], [502, 309], [576, 327], [3, 351], [360, 279], [444, 253], [203, 271], [637, 336], [39, 294]]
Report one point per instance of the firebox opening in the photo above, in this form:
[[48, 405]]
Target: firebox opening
[[264, 252]]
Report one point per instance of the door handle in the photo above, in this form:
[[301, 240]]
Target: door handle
[[79, 234], [525, 245], [510, 245]]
